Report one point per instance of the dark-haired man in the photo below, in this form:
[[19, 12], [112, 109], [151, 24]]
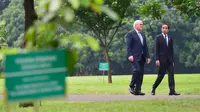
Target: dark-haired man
[[164, 59]]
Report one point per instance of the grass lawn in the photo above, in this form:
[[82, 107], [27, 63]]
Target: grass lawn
[[185, 84], [183, 105]]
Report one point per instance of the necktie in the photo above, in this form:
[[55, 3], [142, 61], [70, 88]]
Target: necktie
[[141, 38], [166, 39]]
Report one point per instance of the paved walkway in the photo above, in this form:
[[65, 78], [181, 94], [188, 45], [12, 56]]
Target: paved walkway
[[120, 97]]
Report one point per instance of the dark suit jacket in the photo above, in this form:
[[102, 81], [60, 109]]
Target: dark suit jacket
[[162, 51], [134, 46]]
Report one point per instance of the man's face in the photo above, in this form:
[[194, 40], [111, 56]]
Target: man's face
[[139, 25], [165, 29]]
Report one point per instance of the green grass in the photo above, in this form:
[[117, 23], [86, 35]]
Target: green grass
[[1, 76], [183, 105], [185, 84]]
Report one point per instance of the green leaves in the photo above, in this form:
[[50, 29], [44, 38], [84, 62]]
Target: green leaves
[[92, 43], [72, 58], [99, 2], [3, 32], [30, 34], [113, 15], [69, 15], [85, 3], [2, 23], [48, 9], [79, 41], [188, 7], [151, 9], [75, 3], [96, 8], [44, 34], [55, 5]]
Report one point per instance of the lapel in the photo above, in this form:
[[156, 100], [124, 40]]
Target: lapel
[[169, 40], [137, 37], [163, 40]]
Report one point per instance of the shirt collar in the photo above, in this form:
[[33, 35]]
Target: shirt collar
[[137, 31], [164, 35]]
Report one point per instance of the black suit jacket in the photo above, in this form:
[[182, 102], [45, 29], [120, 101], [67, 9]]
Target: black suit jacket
[[134, 46], [163, 52]]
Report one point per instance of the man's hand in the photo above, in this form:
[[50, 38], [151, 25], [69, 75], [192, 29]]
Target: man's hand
[[148, 60], [157, 63], [131, 58]]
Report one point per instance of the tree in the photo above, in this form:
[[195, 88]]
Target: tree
[[104, 27], [30, 17]]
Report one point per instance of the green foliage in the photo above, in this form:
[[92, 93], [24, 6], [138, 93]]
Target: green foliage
[[188, 7], [43, 34], [14, 17], [3, 42], [50, 12], [153, 9], [4, 4], [3, 32]]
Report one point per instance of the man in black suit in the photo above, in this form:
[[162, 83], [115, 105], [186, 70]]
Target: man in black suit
[[137, 51], [164, 59]]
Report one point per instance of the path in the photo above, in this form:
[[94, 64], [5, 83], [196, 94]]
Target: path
[[120, 97]]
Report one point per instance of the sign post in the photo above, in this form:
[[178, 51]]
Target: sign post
[[103, 67], [6, 108], [35, 75]]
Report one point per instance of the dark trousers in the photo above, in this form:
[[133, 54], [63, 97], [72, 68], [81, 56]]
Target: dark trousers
[[166, 66], [138, 73]]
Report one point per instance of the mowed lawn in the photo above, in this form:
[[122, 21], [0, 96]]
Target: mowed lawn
[[183, 105], [185, 84]]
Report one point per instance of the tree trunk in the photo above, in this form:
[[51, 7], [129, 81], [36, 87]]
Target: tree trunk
[[30, 17], [108, 61]]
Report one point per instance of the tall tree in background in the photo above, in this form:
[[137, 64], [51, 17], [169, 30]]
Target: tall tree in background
[[104, 27]]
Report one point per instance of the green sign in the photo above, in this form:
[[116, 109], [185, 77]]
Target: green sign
[[103, 66], [35, 75]]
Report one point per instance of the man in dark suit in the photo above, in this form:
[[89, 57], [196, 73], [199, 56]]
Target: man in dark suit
[[137, 51], [164, 59]]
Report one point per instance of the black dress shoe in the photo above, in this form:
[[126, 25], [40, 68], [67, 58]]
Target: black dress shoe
[[139, 93], [153, 92], [174, 93], [131, 90]]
